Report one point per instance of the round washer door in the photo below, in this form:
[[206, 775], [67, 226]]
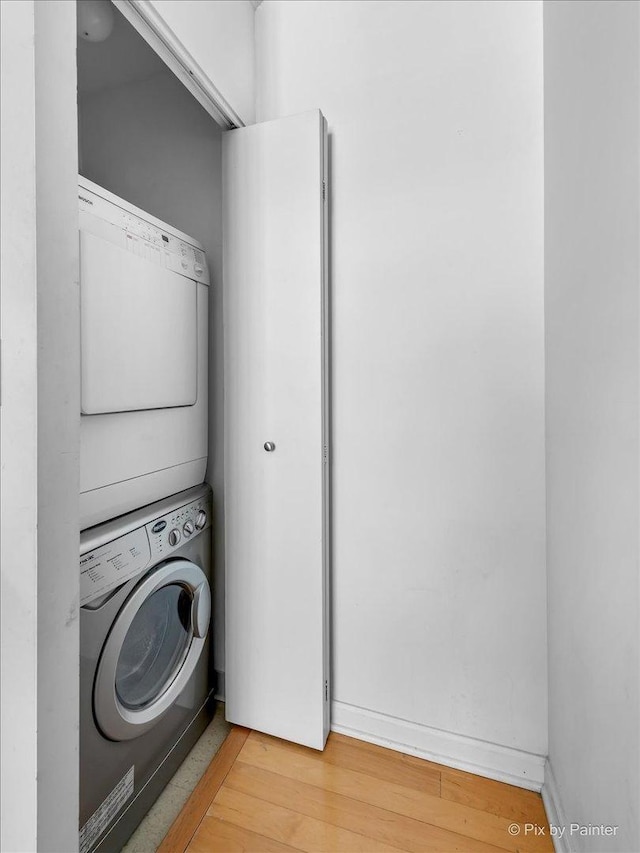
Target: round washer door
[[152, 649]]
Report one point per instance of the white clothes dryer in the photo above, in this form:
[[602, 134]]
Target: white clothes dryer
[[144, 357]]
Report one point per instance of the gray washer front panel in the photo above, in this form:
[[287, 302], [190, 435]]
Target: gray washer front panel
[[105, 763]]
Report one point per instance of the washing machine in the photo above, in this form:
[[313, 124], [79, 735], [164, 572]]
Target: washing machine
[[144, 290], [146, 677]]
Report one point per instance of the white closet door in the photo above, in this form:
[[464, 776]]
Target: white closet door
[[275, 307]]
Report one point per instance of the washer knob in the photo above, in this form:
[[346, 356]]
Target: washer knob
[[201, 519], [188, 528], [174, 536]]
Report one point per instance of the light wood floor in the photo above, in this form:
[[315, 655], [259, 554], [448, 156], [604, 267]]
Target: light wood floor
[[261, 794]]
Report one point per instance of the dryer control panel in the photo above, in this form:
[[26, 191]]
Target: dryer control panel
[[145, 237], [113, 563]]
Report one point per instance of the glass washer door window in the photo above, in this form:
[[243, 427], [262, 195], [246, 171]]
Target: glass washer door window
[[155, 646], [152, 649]]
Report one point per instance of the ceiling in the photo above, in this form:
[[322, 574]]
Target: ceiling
[[124, 57]]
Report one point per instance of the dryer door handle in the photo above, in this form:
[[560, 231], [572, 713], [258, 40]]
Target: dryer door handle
[[201, 610]]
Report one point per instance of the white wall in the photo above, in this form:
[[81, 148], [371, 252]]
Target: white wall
[[219, 35], [435, 120], [592, 229], [40, 419], [18, 425], [151, 143]]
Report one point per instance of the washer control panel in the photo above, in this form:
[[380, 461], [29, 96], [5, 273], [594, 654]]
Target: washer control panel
[[172, 530], [115, 562]]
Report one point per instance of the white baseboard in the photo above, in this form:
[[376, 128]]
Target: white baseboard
[[524, 769], [554, 810]]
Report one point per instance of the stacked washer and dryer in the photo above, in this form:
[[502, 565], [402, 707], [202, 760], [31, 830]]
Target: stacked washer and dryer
[[145, 546]]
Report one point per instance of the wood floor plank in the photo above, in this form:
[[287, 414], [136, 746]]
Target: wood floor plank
[[381, 764], [388, 827], [515, 804], [305, 765], [401, 758], [217, 836], [187, 822], [463, 787], [289, 827]]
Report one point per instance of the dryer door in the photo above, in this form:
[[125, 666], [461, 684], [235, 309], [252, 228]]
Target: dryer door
[[138, 329], [152, 649]]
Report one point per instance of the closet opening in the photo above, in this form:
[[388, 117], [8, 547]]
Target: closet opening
[[145, 138], [151, 431]]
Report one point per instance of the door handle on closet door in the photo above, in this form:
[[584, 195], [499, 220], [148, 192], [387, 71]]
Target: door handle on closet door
[[269, 446]]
